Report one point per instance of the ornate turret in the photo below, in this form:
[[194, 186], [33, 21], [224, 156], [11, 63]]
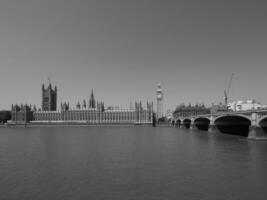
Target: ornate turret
[[78, 106], [64, 106], [102, 107], [84, 104]]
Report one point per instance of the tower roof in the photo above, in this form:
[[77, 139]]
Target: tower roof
[[92, 94], [92, 98]]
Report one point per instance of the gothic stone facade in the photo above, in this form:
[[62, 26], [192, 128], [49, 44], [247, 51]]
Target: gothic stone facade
[[139, 115], [21, 114]]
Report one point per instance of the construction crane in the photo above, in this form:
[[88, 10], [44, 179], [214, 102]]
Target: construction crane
[[226, 91]]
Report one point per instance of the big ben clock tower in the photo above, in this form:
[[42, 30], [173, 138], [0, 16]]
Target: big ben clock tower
[[159, 102]]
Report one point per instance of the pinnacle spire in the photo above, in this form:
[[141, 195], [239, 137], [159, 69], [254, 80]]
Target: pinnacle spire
[[92, 102]]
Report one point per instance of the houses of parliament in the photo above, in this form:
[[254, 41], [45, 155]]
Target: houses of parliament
[[85, 112]]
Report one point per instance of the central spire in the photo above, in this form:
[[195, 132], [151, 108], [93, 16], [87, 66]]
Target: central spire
[[92, 100]]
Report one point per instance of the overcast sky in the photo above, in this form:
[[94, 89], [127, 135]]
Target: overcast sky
[[123, 48]]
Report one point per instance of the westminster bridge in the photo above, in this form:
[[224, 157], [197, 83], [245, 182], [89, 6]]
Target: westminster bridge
[[251, 124]]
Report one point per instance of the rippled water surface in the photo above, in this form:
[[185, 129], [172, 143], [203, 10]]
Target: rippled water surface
[[65, 163]]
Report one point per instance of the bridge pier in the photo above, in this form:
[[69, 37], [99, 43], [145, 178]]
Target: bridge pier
[[193, 127], [256, 133], [183, 125], [212, 126]]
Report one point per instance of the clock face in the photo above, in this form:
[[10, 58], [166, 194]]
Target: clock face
[[159, 96]]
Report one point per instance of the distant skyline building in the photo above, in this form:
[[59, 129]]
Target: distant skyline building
[[190, 110], [159, 102], [245, 105], [49, 98]]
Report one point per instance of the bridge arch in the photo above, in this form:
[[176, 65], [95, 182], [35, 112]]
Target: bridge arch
[[234, 124], [234, 114], [178, 122], [202, 123], [263, 124], [187, 122]]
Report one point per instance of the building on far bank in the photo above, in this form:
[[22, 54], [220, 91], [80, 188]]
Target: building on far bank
[[245, 105], [21, 114], [98, 115], [189, 111]]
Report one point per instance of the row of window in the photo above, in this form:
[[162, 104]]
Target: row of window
[[94, 116]]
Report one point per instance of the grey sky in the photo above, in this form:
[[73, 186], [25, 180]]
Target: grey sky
[[122, 48]]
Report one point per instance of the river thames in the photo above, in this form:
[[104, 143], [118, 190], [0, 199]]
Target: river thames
[[113, 162]]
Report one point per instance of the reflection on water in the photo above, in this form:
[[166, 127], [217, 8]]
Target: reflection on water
[[129, 163]]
